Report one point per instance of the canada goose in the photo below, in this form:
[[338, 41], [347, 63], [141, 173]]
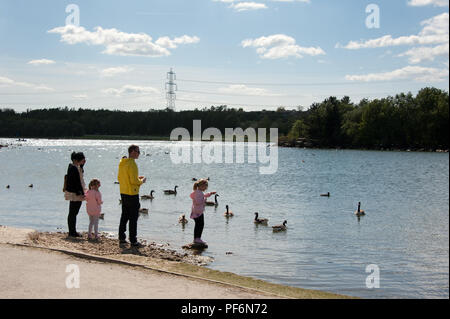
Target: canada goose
[[171, 192], [228, 213], [7, 186], [280, 227], [31, 185], [148, 196], [215, 203], [182, 219], [325, 195], [359, 212], [143, 210], [102, 216], [260, 220], [194, 179]]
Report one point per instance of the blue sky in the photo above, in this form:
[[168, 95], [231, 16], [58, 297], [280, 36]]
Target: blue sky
[[257, 54]]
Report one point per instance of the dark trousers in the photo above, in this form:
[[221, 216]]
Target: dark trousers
[[130, 213], [74, 208], [198, 228]]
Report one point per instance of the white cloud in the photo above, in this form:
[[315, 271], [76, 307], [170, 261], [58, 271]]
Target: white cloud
[[166, 42], [4, 81], [419, 54], [131, 90], [232, 1], [437, 25], [280, 46], [41, 62], [421, 3], [243, 5], [417, 73], [435, 31], [109, 72], [245, 90], [305, 1], [121, 43], [80, 96], [246, 6]]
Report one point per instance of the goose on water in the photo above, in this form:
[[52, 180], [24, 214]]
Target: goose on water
[[280, 227], [148, 196], [228, 213], [171, 192], [258, 220], [359, 211], [182, 219], [215, 203]]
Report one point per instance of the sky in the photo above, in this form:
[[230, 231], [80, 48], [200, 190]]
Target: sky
[[254, 54]]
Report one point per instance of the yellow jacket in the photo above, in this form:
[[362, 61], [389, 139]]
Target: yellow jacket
[[128, 177]]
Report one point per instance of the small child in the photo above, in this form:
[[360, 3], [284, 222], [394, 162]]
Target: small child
[[198, 207], [93, 206]]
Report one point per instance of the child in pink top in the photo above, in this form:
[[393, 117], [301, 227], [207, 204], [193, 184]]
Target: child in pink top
[[198, 207], [93, 206]]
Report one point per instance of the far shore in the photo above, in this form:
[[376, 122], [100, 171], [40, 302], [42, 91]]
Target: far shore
[[283, 142], [152, 257]]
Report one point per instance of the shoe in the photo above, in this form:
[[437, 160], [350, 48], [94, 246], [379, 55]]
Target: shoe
[[75, 235], [123, 241], [199, 241], [136, 245]]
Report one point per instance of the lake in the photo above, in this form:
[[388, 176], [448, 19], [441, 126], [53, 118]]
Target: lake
[[405, 232]]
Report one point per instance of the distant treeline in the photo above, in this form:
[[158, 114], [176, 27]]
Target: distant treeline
[[403, 121]]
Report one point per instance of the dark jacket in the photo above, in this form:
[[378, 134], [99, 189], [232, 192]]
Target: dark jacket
[[74, 180]]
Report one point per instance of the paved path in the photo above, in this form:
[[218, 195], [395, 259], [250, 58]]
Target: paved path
[[37, 273]]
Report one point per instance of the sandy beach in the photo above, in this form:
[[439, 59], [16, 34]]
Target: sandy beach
[[37, 265]]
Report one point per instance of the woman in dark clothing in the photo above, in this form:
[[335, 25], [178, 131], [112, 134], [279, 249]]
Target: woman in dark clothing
[[75, 190]]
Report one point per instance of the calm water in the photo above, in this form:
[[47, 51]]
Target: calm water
[[405, 195]]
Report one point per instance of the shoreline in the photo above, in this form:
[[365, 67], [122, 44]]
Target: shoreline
[[283, 142], [154, 258]]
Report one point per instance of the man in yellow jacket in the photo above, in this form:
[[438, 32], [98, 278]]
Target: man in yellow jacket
[[130, 182]]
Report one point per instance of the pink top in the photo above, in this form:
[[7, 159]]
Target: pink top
[[93, 202], [198, 203]]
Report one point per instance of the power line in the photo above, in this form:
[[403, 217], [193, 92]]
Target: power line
[[288, 84], [47, 93], [238, 104], [288, 95]]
